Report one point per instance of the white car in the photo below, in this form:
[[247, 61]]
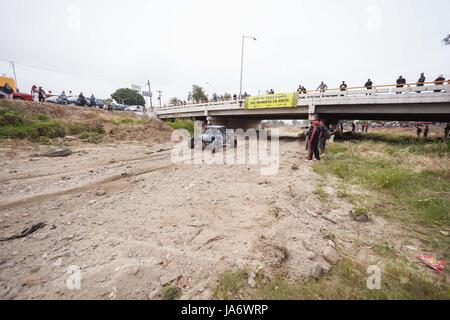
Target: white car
[[134, 109]]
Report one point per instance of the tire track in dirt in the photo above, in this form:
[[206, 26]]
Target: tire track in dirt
[[107, 180], [161, 156]]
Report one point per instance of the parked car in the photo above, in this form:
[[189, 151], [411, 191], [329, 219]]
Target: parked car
[[215, 136], [119, 107]]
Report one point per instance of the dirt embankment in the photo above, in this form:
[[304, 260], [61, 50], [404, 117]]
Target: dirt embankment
[[123, 126]]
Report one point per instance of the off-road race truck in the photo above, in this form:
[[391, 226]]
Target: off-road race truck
[[217, 137]]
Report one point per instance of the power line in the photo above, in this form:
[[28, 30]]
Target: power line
[[64, 72]]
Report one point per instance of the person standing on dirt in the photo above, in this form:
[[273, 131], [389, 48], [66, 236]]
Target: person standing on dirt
[[8, 91], [425, 133], [419, 132], [82, 100], [313, 141], [353, 128], [446, 131], [42, 95], [93, 101], [324, 136]]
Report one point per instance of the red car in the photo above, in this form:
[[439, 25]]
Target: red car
[[22, 96]]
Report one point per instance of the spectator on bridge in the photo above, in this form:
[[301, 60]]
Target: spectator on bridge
[[235, 97], [400, 83], [439, 82], [301, 89], [369, 85], [446, 131], [343, 86], [421, 80], [322, 87], [271, 91], [314, 135]]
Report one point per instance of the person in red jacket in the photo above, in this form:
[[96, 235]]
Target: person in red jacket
[[314, 136]]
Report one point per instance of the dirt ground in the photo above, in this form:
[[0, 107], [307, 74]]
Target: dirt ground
[[133, 221]]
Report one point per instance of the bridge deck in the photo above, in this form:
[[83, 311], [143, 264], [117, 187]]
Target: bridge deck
[[408, 103]]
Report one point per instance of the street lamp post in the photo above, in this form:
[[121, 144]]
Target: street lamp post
[[242, 62], [212, 87]]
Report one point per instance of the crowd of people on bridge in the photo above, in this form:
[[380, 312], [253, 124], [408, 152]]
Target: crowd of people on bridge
[[400, 83]]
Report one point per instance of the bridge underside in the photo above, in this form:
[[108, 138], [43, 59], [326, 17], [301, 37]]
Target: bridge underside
[[436, 112]]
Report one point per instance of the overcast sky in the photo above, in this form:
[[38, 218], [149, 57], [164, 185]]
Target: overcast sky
[[97, 46]]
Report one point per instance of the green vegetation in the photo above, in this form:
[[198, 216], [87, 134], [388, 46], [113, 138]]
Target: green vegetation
[[403, 143], [15, 125], [128, 121], [197, 94], [128, 97], [187, 124], [170, 292], [230, 284], [401, 190], [348, 281]]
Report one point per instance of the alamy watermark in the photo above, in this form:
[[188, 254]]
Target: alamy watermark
[[218, 146], [374, 279], [73, 282], [374, 20], [73, 21]]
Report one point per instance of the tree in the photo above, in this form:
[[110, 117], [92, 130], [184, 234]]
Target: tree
[[197, 94], [446, 40], [174, 101], [128, 97]]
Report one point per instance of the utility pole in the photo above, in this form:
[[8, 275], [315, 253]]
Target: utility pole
[[242, 62], [15, 77], [159, 97], [150, 96]]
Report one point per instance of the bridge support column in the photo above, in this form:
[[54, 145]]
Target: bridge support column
[[232, 123]]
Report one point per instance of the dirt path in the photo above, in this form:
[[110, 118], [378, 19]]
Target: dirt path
[[133, 221]]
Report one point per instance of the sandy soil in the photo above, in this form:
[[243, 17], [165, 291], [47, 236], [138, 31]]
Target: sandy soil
[[133, 221]]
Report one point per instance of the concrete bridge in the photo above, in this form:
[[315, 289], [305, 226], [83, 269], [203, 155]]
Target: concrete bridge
[[389, 103]]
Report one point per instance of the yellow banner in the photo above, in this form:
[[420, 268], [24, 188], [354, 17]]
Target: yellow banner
[[281, 100]]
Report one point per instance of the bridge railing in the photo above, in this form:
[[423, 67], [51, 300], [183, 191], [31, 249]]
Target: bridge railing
[[408, 88], [379, 90]]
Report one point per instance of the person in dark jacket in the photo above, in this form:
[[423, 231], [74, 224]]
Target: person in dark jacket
[[368, 85], [400, 83], [439, 82], [82, 100], [313, 141], [425, 133], [42, 95], [325, 134], [421, 80], [419, 132], [446, 131], [8, 91], [93, 101], [353, 127]]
